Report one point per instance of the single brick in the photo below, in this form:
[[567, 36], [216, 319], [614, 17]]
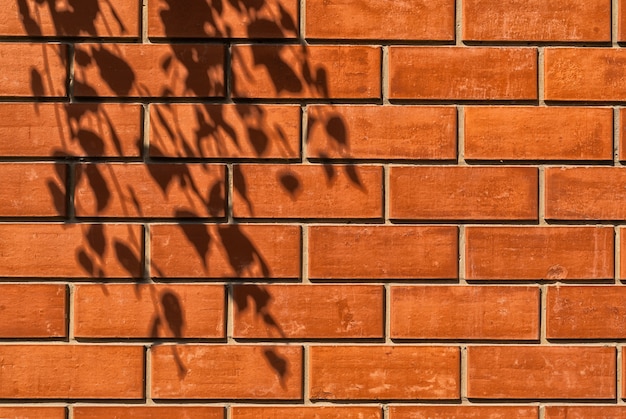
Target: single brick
[[537, 20], [464, 312], [532, 253], [462, 73], [226, 372], [148, 412], [541, 372], [33, 189], [228, 19], [538, 133], [382, 132], [142, 70], [293, 71], [577, 312], [406, 20], [150, 190], [463, 193], [44, 75], [225, 251], [384, 372], [585, 412], [42, 316], [55, 129], [585, 193], [311, 412], [368, 252], [308, 311], [18, 412], [72, 372], [149, 311], [225, 131], [99, 18], [463, 412], [307, 191], [589, 74], [71, 250]]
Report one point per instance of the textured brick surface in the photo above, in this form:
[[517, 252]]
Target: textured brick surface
[[43, 316], [325, 412], [151, 412], [45, 75], [462, 412]]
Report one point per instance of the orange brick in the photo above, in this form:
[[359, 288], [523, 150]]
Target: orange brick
[[585, 193], [72, 372], [462, 73], [367, 252], [552, 253], [541, 372], [308, 311], [621, 20], [463, 193], [384, 372], [409, 20], [463, 412], [44, 75], [291, 71], [585, 412], [148, 412], [226, 372], [307, 191], [225, 251], [71, 250], [536, 20], [100, 18], [316, 412], [225, 131], [382, 132], [622, 135], [577, 312], [153, 190], [464, 312], [138, 70], [54, 129], [203, 19], [622, 253], [33, 189], [18, 412], [538, 133], [590, 74], [149, 311], [42, 317]]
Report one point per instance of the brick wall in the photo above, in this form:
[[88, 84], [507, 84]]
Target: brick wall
[[372, 209]]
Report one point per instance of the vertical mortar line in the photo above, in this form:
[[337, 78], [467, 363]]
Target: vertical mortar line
[[616, 255], [70, 312], [614, 22], [145, 131], [302, 26], [306, 395], [304, 254], [542, 411], [228, 79], [387, 314], [148, 374], [540, 76], [543, 312], [229, 192], [70, 72], [461, 255], [619, 382], [143, 21], [385, 408], [616, 136], [542, 196], [463, 375], [458, 22], [70, 184], [230, 322], [384, 75], [385, 192], [460, 135], [227, 412], [304, 132]]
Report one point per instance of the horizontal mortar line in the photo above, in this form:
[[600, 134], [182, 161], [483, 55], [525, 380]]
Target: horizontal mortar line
[[379, 42], [457, 222], [58, 39], [307, 101], [464, 102], [539, 282], [537, 162], [536, 43]]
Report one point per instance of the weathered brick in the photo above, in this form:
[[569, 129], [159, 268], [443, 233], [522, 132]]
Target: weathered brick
[[585, 412], [42, 317], [463, 412], [316, 412], [148, 412]]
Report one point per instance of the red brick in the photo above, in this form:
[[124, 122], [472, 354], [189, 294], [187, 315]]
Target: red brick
[[292, 71], [384, 372], [307, 191], [54, 129], [532, 253], [225, 131], [225, 251], [149, 311], [462, 73], [203, 19], [45, 74], [308, 311], [367, 252], [538, 133], [464, 312], [541, 372], [100, 18], [316, 412], [585, 412], [622, 134], [138, 70], [382, 132], [408, 20], [622, 253], [15, 412], [585, 193], [590, 74], [71, 250], [537, 20], [226, 372], [43, 316], [33, 189], [621, 20], [148, 412], [153, 190], [586, 312], [463, 412], [71, 372], [463, 193]]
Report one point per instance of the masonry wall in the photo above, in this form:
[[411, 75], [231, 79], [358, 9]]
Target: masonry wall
[[372, 209]]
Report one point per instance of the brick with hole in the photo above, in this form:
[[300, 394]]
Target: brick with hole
[[148, 412], [309, 412], [33, 189], [463, 412], [43, 317]]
